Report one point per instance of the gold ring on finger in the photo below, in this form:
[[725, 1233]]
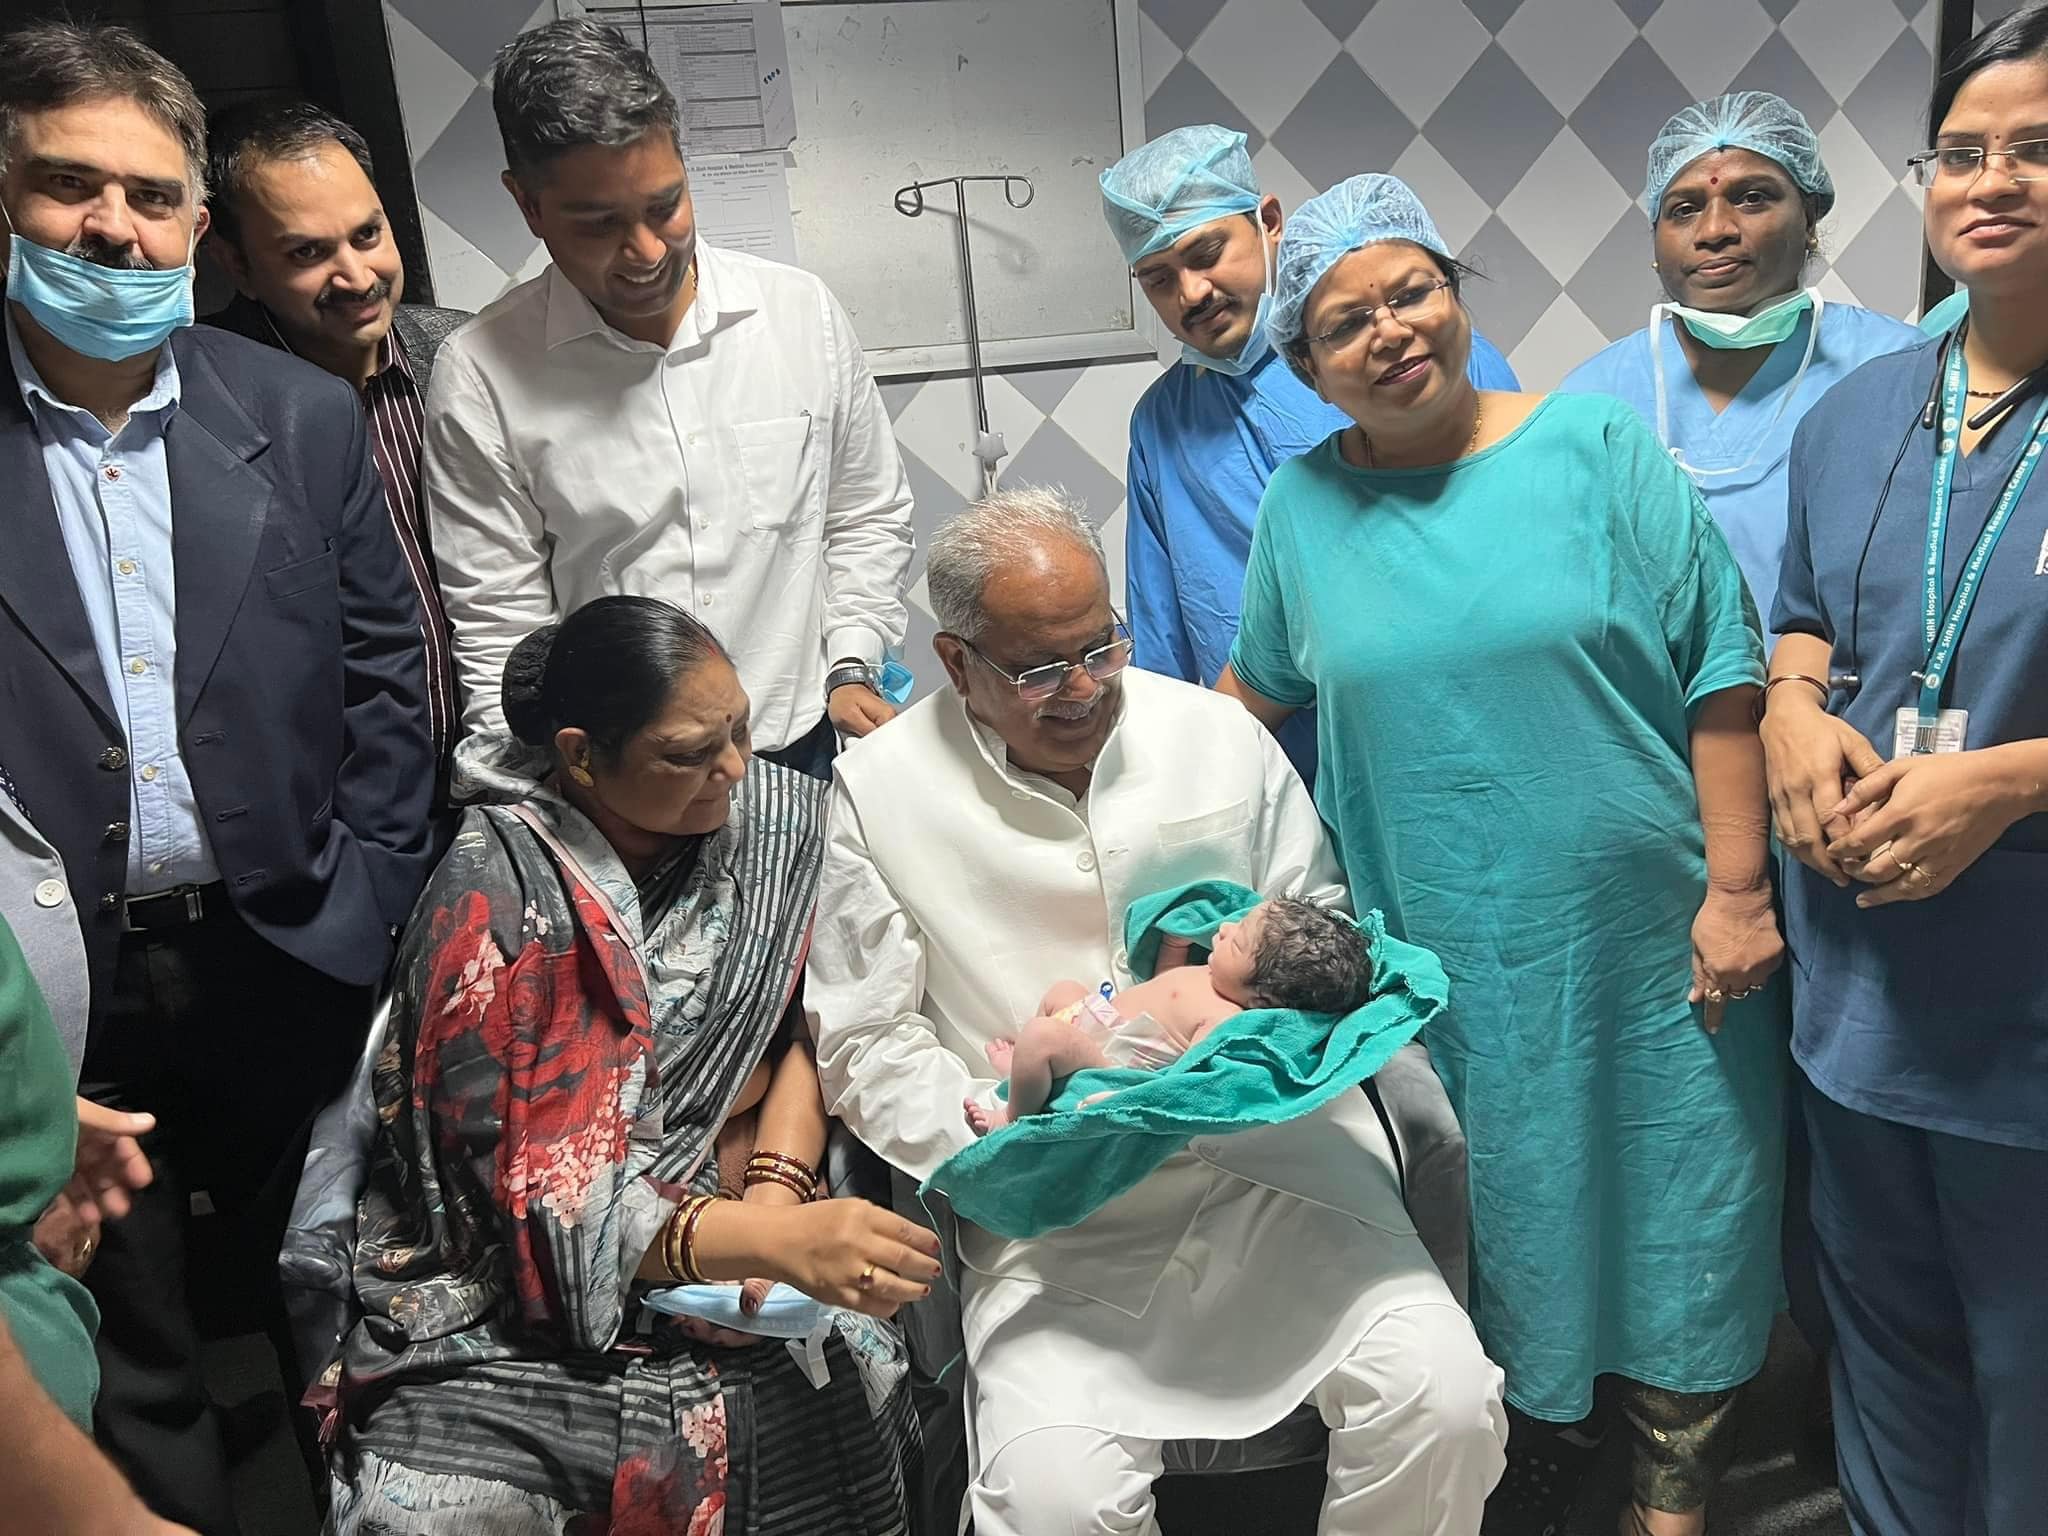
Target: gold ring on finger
[[1716, 995], [1913, 871], [867, 1278]]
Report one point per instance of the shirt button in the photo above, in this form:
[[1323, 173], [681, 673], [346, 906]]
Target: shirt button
[[138, 666], [113, 760], [704, 601], [1085, 863], [50, 894], [117, 832], [149, 774], [1020, 794], [1123, 961], [113, 471], [156, 866], [111, 902], [691, 439], [126, 567]]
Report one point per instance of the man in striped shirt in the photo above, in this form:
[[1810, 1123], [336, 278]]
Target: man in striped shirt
[[299, 226]]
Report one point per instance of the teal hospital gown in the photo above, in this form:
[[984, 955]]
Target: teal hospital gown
[[1505, 654]]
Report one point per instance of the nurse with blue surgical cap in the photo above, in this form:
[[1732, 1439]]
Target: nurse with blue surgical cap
[[1188, 215], [1534, 664], [1740, 349]]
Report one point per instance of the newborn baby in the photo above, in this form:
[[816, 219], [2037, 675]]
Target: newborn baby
[[1284, 953]]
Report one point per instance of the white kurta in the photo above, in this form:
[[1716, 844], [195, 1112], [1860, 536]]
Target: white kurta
[[1207, 1302]]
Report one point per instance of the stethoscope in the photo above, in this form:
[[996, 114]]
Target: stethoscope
[[1848, 682]]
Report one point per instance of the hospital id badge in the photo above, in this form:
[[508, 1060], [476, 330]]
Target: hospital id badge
[[1951, 730]]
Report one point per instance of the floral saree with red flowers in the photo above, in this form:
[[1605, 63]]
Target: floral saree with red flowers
[[565, 1045]]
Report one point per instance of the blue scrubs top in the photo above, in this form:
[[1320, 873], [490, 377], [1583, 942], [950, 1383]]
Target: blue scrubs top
[[1750, 505], [1203, 446], [1932, 1013]]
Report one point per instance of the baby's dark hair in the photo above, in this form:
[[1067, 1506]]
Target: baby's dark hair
[[1311, 958]]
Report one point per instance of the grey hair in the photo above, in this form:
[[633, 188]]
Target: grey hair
[[51, 64], [967, 551], [573, 84]]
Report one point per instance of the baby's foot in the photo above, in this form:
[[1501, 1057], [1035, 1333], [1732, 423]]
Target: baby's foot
[[999, 1054], [982, 1120]]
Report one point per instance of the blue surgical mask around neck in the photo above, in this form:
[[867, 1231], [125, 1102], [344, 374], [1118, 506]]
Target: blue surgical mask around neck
[[109, 313], [1257, 343]]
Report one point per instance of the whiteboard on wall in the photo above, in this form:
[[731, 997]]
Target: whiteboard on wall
[[890, 92]]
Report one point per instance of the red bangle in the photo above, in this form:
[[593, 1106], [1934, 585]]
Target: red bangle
[[756, 1176], [686, 1243]]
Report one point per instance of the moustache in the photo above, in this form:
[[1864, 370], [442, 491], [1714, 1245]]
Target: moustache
[[1202, 311], [104, 253], [333, 298], [1069, 710]]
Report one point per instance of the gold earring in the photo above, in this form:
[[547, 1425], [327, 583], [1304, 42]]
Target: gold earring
[[581, 775], [1654, 267]]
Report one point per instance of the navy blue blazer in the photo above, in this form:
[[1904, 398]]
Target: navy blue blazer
[[301, 691]]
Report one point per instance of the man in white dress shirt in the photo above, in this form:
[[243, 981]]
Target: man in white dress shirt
[[987, 845], [655, 416]]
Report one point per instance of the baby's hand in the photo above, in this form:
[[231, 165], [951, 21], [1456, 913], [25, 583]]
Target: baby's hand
[[753, 1293], [999, 1052], [984, 1120]]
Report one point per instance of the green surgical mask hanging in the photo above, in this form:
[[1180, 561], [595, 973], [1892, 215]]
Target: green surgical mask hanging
[[1736, 333]]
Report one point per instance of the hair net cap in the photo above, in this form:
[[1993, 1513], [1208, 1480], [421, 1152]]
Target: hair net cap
[[1177, 183], [1324, 230], [1753, 120]]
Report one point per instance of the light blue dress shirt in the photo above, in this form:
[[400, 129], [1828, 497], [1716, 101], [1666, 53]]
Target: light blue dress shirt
[[112, 492]]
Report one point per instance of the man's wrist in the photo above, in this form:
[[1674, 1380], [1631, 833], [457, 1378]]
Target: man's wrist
[[849, 673]]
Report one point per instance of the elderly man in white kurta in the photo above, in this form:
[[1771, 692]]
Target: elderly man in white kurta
[[987, 845]]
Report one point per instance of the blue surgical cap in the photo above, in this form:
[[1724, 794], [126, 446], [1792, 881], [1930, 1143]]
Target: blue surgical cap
[[1755, 120], [1179, 182], [1327, 228]]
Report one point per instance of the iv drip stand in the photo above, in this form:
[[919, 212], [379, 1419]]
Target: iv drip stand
[[989, 448]]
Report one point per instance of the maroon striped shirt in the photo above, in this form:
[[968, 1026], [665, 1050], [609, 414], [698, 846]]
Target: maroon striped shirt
[[391, 399]]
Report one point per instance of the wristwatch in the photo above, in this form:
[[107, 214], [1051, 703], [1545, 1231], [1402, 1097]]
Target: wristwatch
[[847, 673]]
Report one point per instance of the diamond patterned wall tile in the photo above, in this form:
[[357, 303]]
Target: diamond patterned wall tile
[[1494, 125], [1565, 46], [1562, 231], [1457, 209], [1280, 177], [1872, 264], [1706, 46], [1340, 16], [1187, 96], [1046, 387], [1096, 412], [1344, 125], [1621, 115], [1614, 287], [1054, 458], [472, 31], [1182, 20], [1562, 332], [1640, 11], [1862, 181], [1418, 51], [1263, 55], [1889, 106], [1157, 53], [452, 180], [1517, 289], [1494, 14], [1779, 69], [1841, 40]]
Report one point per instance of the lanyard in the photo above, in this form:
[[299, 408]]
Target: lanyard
[[1943, 632]]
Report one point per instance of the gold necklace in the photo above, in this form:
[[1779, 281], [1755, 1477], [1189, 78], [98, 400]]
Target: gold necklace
[[1471, 445]]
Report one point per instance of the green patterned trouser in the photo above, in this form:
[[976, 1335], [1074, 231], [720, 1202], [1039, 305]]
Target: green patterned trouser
[[1681, 1443]]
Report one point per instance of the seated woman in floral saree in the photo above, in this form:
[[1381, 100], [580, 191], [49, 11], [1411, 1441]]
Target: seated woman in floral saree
[[596, 978]]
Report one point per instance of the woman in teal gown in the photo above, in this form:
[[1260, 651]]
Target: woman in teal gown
[[1534, 665]]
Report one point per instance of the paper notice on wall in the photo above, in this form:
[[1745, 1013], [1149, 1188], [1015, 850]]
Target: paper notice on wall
[[728, 65], [742, 204]]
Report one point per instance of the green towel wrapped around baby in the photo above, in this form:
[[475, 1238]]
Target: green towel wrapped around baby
[[1261, 1066]]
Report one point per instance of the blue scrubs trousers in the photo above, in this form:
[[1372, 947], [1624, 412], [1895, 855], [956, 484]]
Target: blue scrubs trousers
[[1934, 1263]]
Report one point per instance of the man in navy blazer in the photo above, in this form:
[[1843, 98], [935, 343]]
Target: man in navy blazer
[[212, 701]]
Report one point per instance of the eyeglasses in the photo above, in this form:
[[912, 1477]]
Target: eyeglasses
[[1407, 307], [2025, 161], [1037, 684]]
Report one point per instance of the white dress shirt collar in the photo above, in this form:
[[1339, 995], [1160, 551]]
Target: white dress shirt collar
[[724, 294]]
